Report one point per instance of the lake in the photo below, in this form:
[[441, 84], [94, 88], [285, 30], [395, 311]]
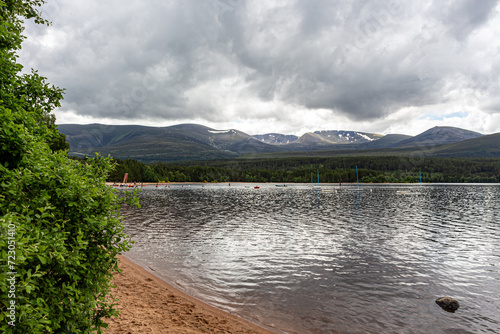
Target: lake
[[332, 259]]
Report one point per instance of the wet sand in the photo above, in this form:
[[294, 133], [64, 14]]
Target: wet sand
[[147, 304]]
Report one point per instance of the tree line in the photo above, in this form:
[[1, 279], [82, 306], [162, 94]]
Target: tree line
[[388, 169]]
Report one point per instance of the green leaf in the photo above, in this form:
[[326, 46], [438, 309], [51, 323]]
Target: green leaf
[[65, 243]]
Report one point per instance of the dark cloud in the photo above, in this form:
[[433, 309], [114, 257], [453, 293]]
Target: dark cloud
[[225, 58], [462, 17]]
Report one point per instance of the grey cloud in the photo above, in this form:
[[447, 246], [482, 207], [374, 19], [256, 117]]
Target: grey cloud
[[114, 55], [464, 16], [349, 78], [363, 59]]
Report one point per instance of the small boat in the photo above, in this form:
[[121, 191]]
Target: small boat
[[280, 185], [256, 187]]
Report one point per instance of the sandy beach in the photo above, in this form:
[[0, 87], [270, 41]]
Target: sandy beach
[[147, 304]]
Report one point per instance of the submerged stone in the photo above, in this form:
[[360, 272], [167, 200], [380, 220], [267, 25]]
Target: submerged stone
[[448, 304]]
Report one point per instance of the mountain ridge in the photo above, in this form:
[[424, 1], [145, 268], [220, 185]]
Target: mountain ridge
[[198, 142], [439, 135]]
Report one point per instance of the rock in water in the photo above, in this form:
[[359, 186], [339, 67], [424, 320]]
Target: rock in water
[[448, 304]]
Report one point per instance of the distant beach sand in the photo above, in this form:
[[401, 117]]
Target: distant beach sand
[[147, 304]]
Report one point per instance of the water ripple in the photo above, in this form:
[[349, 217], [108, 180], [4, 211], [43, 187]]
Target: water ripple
[[297, 258]]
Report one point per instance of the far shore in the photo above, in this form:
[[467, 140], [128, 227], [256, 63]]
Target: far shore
[[149, 184], [148, 304]]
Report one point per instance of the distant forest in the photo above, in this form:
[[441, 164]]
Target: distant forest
[[331, 170]]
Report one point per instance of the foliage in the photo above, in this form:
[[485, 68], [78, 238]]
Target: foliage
[[337, 169], [68, 233], [59, 223]]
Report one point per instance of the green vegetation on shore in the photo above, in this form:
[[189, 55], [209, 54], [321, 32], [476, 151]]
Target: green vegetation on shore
[[337, 169], [59, 224]]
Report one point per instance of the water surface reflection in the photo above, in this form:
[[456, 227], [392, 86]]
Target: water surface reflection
[[332, 259]]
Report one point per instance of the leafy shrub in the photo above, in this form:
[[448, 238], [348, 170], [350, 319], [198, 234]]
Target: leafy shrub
[[60, 224], [67, 234]]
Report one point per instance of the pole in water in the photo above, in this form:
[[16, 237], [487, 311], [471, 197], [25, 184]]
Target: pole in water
[[357, 179], [420, 173], [312, 181], [318, 175]]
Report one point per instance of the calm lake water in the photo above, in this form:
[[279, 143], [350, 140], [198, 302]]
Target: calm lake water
[[329, 260]]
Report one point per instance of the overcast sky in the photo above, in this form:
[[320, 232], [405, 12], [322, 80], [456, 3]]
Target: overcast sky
[[273, 66]]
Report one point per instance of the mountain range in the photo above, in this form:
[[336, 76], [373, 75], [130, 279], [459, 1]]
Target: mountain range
[[197, 142]]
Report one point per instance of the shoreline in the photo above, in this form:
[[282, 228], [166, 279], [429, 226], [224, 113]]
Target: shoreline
[[148, 304]]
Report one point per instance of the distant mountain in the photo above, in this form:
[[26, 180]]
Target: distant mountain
[[439, 135], [386, 141], [332, 139], [324, 137], [310, 138], [276, 138], [97, 135], [223, 140], [347, 137], [197, 142], [149, 144], [484, 146]]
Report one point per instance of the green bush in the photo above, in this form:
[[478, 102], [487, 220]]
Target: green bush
[[60, 227], [67, 233]]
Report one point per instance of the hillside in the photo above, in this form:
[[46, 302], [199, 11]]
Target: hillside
[[197, 142], [386, 141], [439, 135], [148, 144], [347, 137], [485, 146], [276, 138]]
